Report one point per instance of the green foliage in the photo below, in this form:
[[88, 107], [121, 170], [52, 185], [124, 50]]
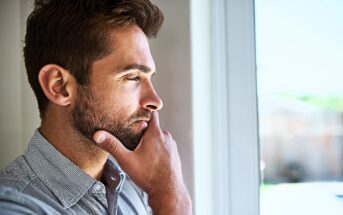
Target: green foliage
[[327, 102]]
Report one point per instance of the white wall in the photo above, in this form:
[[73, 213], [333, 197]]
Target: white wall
[[18, 116], [10, 96]]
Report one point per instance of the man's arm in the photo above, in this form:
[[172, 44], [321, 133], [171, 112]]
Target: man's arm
[[154, 166]]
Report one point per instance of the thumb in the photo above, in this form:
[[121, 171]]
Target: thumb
[[111, 144], [154, 123]]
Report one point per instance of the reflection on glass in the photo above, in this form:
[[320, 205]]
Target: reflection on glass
[[300, 90]]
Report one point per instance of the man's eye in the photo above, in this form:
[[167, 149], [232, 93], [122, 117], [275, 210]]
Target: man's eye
[[136, 78]]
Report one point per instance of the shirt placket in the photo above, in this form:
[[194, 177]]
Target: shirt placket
[[118, 188], [98, 191], [114, 184]]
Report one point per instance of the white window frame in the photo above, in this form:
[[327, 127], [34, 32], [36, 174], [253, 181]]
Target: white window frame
[[226, 150]]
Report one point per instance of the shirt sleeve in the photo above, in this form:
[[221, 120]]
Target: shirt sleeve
[[13, 202]]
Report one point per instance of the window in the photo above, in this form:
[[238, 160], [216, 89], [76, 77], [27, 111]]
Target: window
[[299, 50]]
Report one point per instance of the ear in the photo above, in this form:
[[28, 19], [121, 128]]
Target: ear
[[57, 84]]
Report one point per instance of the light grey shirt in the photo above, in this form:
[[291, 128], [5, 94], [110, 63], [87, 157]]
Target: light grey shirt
[[43, 181]]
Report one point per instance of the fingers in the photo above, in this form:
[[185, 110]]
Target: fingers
[[111, 144], [167, 135]]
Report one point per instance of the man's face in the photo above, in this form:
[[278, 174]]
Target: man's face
[[120, 97]]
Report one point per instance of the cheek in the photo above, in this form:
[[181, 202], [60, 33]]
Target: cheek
[[124, 101]]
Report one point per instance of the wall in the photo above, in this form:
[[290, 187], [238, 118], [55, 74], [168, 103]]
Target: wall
[[18, 115]]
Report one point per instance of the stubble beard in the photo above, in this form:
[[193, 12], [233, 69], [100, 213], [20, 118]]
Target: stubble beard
[[88, 116]]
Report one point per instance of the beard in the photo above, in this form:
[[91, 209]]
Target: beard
[[88, 116]]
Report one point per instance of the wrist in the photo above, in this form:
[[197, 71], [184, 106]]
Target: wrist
[[175, 201]]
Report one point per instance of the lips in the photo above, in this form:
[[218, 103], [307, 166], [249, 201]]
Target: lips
[[142, 118], [141, 123]]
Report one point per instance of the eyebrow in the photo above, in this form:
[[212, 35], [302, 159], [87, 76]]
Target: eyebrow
[[139, 67]]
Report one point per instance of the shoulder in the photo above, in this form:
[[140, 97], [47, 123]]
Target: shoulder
[[17, 174], [14, 202]]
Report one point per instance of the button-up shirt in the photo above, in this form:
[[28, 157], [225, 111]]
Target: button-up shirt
[[45, 178]]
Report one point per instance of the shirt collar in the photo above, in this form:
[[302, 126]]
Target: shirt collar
[[65, 179], [113, 176]]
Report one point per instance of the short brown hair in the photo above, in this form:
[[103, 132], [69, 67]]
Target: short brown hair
[[74, 33]]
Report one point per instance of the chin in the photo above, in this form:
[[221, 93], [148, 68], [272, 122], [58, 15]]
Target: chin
[[131, 142]]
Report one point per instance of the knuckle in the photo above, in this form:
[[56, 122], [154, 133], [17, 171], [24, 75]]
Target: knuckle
[[160, 135], [167, 134]]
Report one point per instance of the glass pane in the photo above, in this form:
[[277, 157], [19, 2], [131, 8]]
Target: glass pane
[[299, 47]]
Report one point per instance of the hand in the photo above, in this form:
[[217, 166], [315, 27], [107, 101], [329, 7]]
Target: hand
[[154, 166]]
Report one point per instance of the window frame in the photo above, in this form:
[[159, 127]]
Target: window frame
[[226, 150]]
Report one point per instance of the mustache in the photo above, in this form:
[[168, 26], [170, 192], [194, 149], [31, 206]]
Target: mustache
[[142, 114]]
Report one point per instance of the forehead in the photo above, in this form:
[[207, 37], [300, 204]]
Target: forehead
[[130, 46]]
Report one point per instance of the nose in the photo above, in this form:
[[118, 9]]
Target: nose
[[150, 100]]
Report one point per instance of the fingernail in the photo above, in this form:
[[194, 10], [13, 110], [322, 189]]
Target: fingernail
[[99, 139]]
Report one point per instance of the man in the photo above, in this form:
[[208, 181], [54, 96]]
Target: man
[[89, 64]]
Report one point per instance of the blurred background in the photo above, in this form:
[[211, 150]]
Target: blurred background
[[217, 62], [299, 52]]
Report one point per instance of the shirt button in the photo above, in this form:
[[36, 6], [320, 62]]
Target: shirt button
[[97, 187]]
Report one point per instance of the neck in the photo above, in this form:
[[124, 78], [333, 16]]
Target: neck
[[77, 148]]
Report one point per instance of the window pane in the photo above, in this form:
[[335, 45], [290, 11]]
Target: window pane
[[299, 47]]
